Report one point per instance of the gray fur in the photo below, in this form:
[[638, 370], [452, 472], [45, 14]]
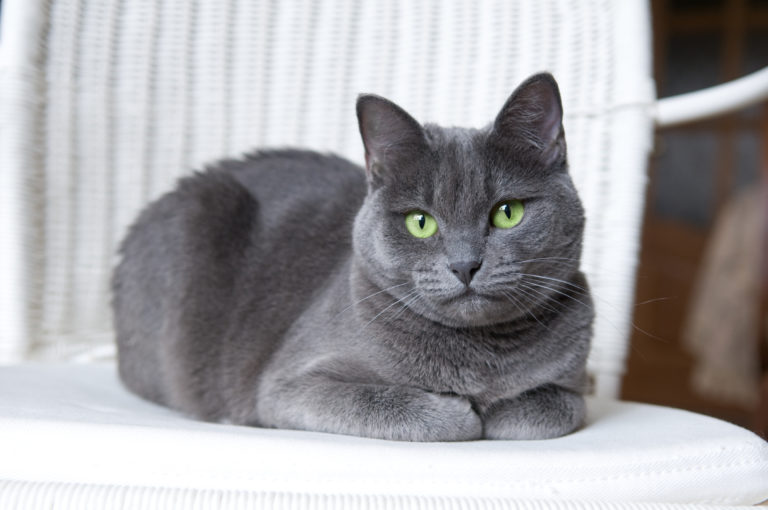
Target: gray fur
[[283, 290]]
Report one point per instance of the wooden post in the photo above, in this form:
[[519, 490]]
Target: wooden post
[[761, 417]]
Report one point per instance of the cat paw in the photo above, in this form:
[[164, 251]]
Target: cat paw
[[448, 418], [399, 413], [541, 413], [410, 414]]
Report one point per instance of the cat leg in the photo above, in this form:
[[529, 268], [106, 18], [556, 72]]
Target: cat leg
[[368, 410], [541, 413]]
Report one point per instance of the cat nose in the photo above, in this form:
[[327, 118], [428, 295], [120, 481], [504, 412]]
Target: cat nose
[[464, 271]]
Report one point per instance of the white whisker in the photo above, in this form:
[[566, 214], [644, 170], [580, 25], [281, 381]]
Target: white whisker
[[532, 294], [525, 310], [552, 289], [368, 297], [603, 317], [554, 260], [405, 306], [406, 296]]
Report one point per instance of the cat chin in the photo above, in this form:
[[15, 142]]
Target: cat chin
[[470, 310]]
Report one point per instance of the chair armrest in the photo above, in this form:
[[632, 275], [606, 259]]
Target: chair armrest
[[712, 101]]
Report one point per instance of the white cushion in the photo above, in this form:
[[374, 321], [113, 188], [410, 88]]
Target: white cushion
[[75, 424]]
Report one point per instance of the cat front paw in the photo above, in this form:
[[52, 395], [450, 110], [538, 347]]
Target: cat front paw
[[410, 414], [447, 418], [545, 412], [399, 413]]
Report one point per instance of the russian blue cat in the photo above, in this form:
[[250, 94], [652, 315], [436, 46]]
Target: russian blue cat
[[433, 296]]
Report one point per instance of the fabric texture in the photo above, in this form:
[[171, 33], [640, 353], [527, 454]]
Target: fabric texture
[[58, 496], [109, 101], [74, 425]]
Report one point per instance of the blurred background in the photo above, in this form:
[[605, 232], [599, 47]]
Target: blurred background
[[699, 341]]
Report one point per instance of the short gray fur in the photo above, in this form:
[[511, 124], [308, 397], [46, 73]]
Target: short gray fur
[[284, 290]]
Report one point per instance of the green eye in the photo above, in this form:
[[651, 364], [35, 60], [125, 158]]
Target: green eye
[[420, 224], [507, 214]]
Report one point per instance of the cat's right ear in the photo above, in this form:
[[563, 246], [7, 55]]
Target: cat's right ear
[[390, 135]]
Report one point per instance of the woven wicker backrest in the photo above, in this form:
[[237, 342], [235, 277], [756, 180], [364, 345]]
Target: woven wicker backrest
[[107, 102]]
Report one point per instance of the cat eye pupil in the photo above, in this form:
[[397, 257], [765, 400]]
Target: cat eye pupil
[[420, 224], [507, 214]]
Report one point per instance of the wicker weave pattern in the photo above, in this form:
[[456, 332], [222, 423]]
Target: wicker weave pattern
[[42, 495], [138, 92]]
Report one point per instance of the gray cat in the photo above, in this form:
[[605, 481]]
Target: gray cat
[[433, 296]]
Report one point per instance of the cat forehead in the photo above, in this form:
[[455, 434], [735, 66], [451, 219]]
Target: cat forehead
[[468, 171], [457, 139], [455, 180], [462, 175], [460, 155]]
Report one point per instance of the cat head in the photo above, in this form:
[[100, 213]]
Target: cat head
[[474, 226]]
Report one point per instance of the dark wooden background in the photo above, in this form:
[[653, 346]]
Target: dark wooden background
[[695, 170]]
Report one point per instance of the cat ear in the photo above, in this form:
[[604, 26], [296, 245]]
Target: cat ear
[[390, 135], [534, 114]]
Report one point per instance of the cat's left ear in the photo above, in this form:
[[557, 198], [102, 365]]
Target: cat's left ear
[[533, 115], [390, 135]]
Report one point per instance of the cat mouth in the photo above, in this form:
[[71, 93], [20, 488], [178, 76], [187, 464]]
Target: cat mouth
[[467, 308], [459, 295], [470, 297]]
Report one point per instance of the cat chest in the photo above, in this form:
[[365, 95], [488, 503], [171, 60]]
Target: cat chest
[[466, 369]]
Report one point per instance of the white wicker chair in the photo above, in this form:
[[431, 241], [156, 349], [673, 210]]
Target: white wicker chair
[[104, 103]]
